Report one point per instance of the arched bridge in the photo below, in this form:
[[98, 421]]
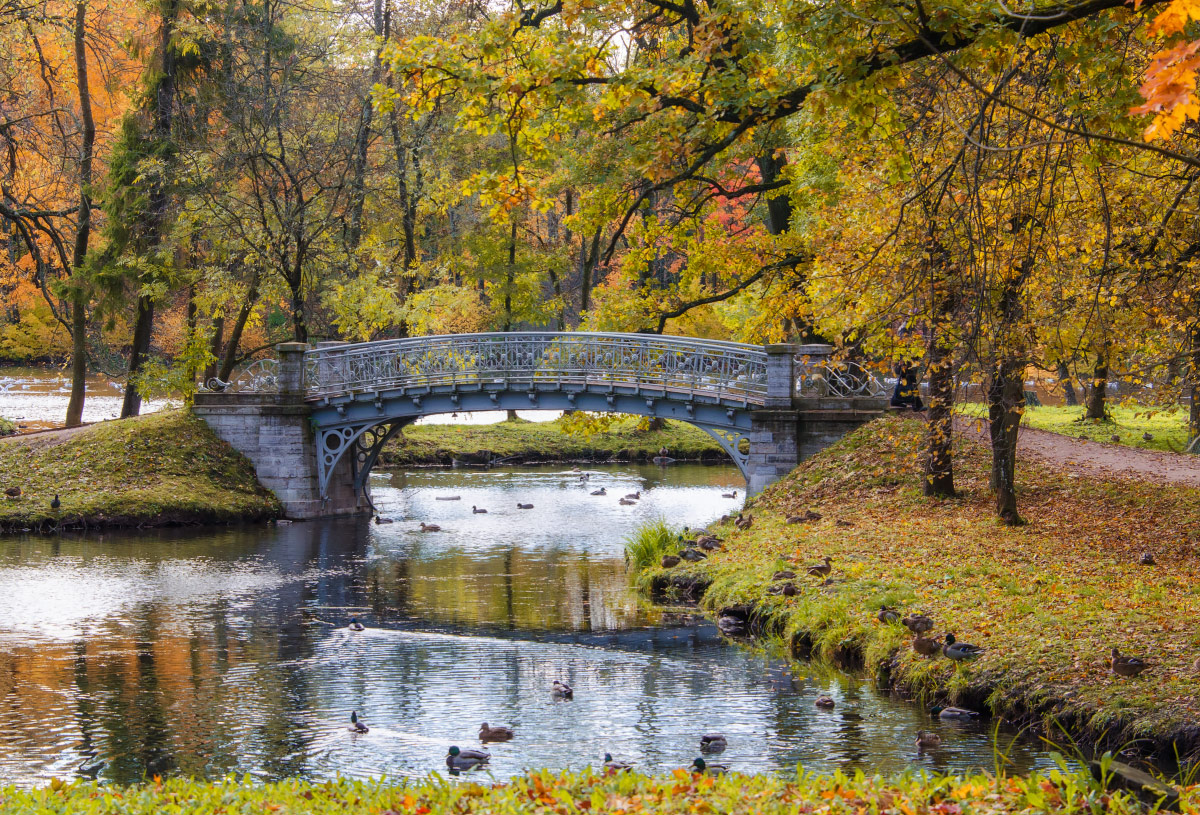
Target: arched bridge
[[763, 404]]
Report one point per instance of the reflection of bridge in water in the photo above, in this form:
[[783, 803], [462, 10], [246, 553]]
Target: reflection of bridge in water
[[314, 421]]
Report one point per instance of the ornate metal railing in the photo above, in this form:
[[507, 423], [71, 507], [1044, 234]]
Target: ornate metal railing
[[260, 376], [723, 369]]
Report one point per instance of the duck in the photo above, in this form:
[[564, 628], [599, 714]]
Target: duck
[[927, 739], [704, 768], [808, 516], [730, 625], [918, 623], [729, 494], [784, 574], [430, 527], [1127, 666], [1147, 559], [625, 502], [634, 496], [713, 743], [498, 733], [585, 477], [55, 503], [670, 561], [478, 510], [824, 702], [458, 760], [601, 491], [960, 651], [959, 713], [355, 625], [561, 690], [447, 498], [888, 615], [927, 646], [13, 492], [822, 569], [613, 766], [692, 555], [743, 522], [524, 506], [786, 589], [708, 543], [379, 519], [355, 725]]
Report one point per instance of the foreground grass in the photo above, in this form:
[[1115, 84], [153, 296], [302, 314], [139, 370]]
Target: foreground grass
[[165, 468], [1047, 600], [522, 440], [1167, 428], [585, 791]]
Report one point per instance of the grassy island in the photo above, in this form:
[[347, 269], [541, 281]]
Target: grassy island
[[163, 469], [1048, 600], [524, 441], [574, 793]]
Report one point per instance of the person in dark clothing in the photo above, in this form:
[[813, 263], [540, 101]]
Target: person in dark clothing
[[908, 387]]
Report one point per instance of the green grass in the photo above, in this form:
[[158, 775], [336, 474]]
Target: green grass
[[646, 546], [1167, 427], [165, 468], [587, 791], [1047, 600], [7, 426], [545, 441]]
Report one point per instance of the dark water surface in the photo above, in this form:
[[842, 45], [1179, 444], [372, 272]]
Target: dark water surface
[[212, 652]]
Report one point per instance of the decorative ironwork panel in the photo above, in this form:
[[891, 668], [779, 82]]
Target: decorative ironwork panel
[[260, 376], [723, 369]]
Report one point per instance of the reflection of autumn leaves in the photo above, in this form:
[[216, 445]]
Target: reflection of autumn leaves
[[1047, 600]]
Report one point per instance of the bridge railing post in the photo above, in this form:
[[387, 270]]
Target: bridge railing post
[[812, 368], [781, 375], [291, 368]]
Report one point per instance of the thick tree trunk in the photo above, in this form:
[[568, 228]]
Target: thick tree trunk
[[143, 326], [84, 227], [1068, 389], [362, 141], [1096, 397], [1006, 402], [939, 465], [235, 336], [779, 207]]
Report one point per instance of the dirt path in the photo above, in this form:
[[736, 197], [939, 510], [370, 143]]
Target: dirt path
[[45, 438], [1096, 457]]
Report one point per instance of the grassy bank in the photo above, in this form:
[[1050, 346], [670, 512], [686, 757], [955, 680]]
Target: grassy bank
[[1048, 600], [574, 793], [7, 426], [161, 469], [1167, 428], [526, 441]]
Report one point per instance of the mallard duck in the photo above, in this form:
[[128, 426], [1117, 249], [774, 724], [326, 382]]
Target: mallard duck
[[729, 494], [670, 561], [524, 506], [927, 739], [355, 625], [634, 496], [824, 702], [960, 651], [784, 574], [430, 527], [13, 492], [692, 555], [960, 713], [888, 615], [561, 690], [478, 510], [379, 519], [927, 646], [786, 589], [458, 760], [55, 503], [355, 725], [743, 522], [713, 743], [613, 766], [601, 491], [498, 733], [708, 543], [447, 498], [822, 569], [918, 623], [625, 502], [1127, 666], [704, 768], [1147, 559], [804, 518], [585, 477]]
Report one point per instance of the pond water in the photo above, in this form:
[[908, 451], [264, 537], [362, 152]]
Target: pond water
[[207, 652]]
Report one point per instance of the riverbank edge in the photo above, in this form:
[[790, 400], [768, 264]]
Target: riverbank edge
[[525, 442], [596, 790], [1051, 713], [159, 470]]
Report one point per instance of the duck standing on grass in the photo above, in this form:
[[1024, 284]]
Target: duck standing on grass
[[1127, 666], [927, 646], [458, 760], [960, 651], [55, 504], [918, 623], [822, 569]]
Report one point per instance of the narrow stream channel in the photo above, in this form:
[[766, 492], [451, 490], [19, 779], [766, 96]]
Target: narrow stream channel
[[206, 652]]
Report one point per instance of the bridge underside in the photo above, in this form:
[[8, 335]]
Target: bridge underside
[[358, 426]]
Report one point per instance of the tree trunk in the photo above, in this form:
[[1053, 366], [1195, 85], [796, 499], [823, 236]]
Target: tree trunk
[[214, 348], [1194, 411], [587, 263], [143, 325], [239, 325], [510, 277], [1095, 403], [779, 207], [84, 227], [362, 141], [656, 423], [1068, 389], [939, 465], [511, 416], [1006, 402]]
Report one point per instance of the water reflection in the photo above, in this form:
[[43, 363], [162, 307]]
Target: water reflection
[[205, 653]]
